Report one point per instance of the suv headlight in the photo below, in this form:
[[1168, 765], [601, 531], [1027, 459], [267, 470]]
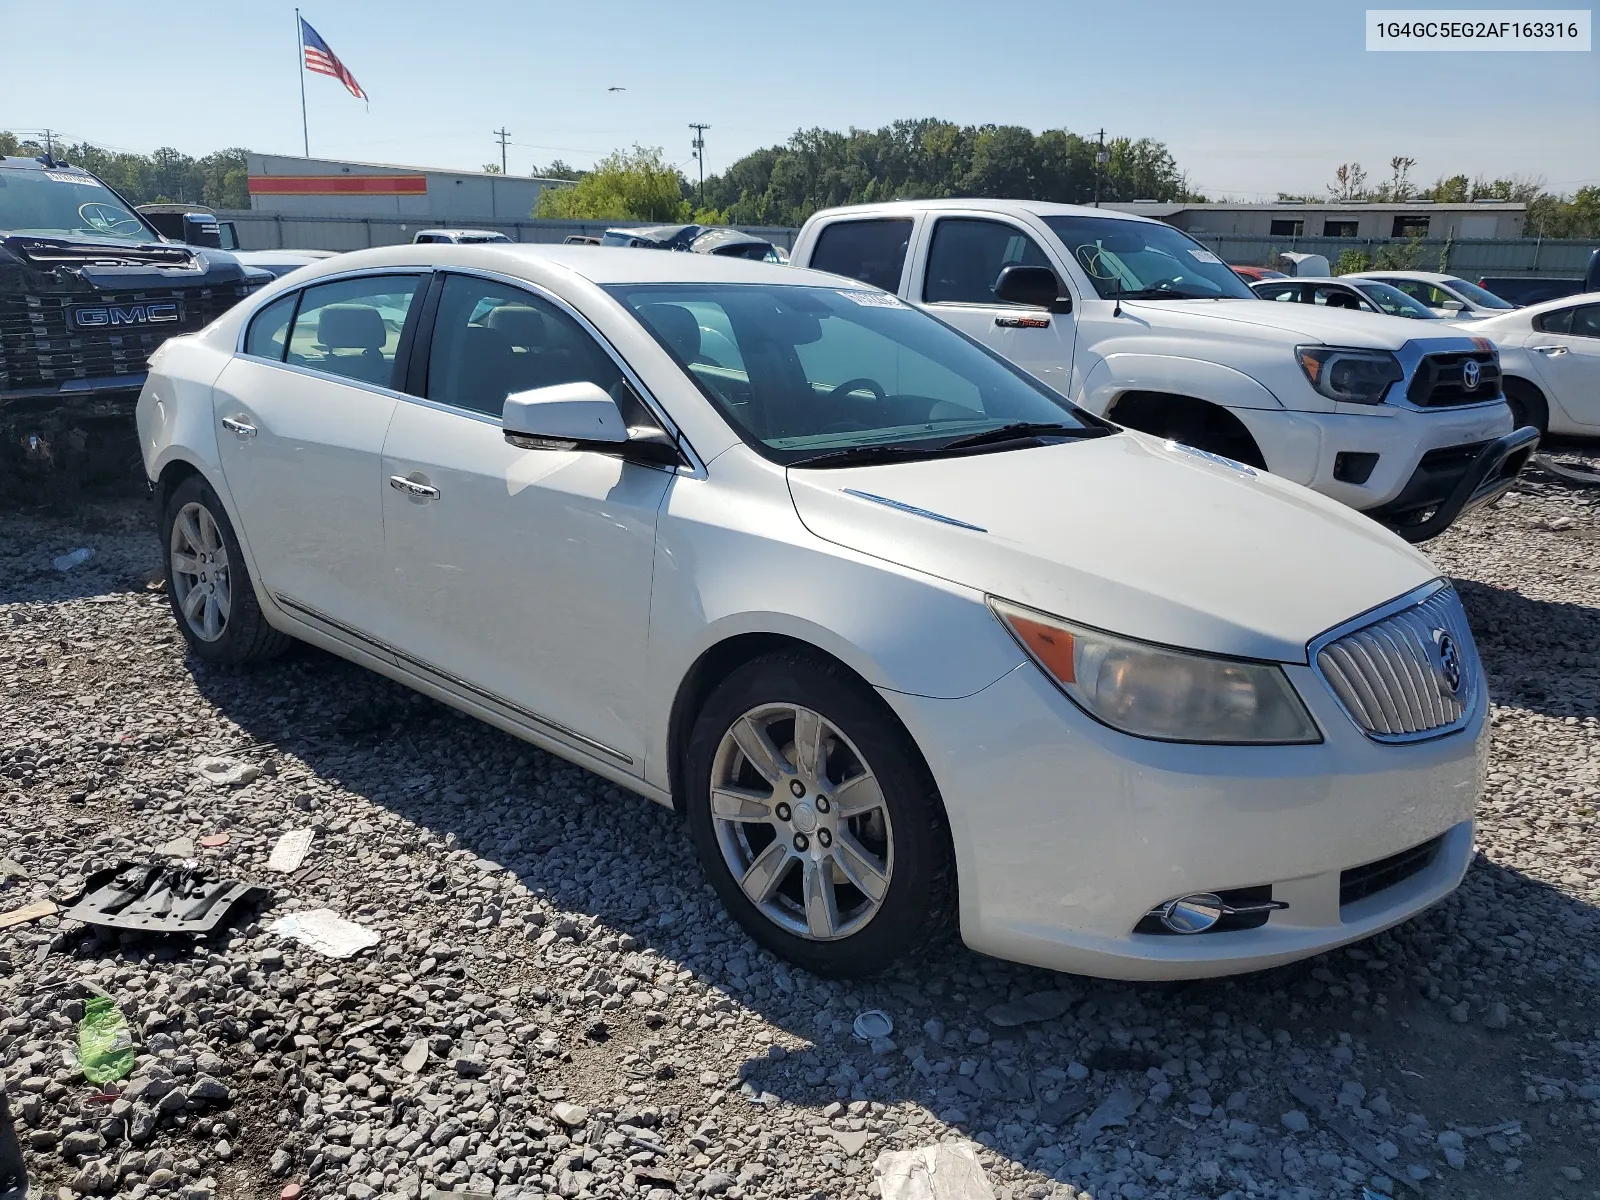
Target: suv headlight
[[1353, 376], [1152, 692]]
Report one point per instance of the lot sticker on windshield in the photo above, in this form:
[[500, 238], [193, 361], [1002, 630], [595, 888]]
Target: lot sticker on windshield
[[873, 299], [1204, 256], [60, 178]]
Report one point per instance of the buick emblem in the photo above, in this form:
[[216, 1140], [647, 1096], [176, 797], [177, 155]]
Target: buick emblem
[[1471, 374], [1449, 665]]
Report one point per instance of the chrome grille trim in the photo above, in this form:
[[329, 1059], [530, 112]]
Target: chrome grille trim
[[1385, 668]]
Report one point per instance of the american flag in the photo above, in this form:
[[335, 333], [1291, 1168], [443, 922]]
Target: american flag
[[324, 61]]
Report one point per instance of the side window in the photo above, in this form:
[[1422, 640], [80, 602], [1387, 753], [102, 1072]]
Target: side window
[[968, 255], [269, 329], [1586, 321], [1282, 292], [1559, 321], [491, 339], [1338, 297], [1413, 288], [873, 251], [352, 328]]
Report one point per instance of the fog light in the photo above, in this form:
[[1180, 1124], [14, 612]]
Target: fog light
[[1354, 466], [1193, 914]]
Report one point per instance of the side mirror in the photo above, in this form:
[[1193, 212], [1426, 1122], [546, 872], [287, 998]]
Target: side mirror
[[1454, 306], [568, 416], [582, 416], [1036, 286]]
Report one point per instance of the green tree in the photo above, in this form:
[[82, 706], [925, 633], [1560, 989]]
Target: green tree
[[491, 169], [636, 185], [557, 170]]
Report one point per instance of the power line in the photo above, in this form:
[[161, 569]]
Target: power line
[[502, 135], [699, 145]]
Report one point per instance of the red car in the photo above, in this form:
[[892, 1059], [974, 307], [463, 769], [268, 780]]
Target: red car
[[1257, 274]]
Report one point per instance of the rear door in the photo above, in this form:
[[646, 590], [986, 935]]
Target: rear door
[[301, 416], [954, 278], [1565, 347]]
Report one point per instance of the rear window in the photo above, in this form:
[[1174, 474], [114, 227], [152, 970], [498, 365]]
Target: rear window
[[873, 251]]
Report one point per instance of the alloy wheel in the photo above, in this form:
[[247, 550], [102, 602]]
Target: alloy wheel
[[198, 569], [801, 822]]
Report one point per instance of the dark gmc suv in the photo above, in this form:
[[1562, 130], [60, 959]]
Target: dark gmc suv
[[88, 289]]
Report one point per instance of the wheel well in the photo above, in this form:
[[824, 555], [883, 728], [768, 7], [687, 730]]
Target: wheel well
[[172, 475], [1190, 420], [715, 665], [1513, 385]]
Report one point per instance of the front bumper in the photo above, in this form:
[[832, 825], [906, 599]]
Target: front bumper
[[85, 428], [1447, 485], [1068, 833]]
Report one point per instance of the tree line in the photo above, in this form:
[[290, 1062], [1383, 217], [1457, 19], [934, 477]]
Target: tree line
[[219, 180]]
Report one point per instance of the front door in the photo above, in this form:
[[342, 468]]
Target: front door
[[1566, 352], [521, 576], [964, 258], [301, 416]]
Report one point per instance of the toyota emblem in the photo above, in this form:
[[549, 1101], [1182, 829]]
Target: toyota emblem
[[1449, 664], [1471, 374]]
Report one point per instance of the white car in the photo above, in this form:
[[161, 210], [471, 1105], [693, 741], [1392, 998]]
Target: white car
[[1362, 295], [1446, 295], [1550, 353], [1135, 320], [900, 631]]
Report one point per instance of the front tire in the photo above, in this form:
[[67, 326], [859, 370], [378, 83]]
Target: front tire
[[1527, 405], [816, 819], [212, 596]]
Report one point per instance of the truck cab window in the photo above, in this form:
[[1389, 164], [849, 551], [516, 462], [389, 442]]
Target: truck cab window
[[968, 255], [872, 251]]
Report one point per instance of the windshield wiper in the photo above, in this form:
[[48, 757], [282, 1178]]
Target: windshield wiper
[[1022, 430], [864, 455]]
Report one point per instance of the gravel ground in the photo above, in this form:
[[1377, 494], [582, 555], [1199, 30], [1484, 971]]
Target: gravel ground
[[558, 1006]]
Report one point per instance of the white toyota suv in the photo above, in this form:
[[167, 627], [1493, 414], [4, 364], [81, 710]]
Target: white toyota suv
[[1135, 320]]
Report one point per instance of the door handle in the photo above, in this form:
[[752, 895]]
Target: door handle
[[417, 491], [1552, 351], [240, 429]]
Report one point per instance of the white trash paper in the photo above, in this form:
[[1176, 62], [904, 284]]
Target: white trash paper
[[290, 851], [945, 1171], [325, 931]]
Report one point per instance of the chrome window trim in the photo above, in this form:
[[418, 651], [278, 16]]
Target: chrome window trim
[[455, 681], [696, 467], [1470, 713]]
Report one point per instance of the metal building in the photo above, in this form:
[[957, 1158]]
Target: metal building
[[286, 186], [1287, 220]]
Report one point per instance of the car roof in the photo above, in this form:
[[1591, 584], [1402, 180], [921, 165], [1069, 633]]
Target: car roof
[[1429, 276], [1035, 208], [1544, 306], [598, 264], [1303, 279], [460, 232]]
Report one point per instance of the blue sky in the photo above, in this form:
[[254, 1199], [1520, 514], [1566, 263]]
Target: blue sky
[[1251, 97]]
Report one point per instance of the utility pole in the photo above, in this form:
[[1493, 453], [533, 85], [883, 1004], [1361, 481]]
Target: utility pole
[[699, 145], [502, 135], [1101, 158]]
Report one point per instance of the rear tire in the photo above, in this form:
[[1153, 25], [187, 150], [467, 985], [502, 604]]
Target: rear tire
[[213, 598], [1528, 405], [786, 833]]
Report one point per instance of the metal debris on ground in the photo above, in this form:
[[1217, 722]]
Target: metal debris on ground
[[874, 1023], [326, 932], [105, 1044], [161, 897], [28, 912], [290, 851], [945, 1171]]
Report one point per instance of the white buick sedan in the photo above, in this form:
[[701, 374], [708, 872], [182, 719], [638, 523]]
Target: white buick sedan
[[901, 633]]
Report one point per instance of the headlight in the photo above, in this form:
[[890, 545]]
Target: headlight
[[1353, 376], [1152, 692]]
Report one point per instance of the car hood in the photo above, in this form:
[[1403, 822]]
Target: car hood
[[1288, 323], [1124, 533]]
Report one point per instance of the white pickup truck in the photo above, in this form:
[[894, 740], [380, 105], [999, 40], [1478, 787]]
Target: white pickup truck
[[1133, 319]]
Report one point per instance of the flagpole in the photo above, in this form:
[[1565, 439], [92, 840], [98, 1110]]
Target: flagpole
[[300, 38]]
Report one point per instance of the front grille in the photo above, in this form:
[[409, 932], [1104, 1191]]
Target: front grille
[[1393, 674], [1438, 380], [40, 349], [1360, 882]]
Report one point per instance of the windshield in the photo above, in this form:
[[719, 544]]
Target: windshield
[[1395, 302], [1145, 260], [1476, 294], [65, 204], [801, 371]]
